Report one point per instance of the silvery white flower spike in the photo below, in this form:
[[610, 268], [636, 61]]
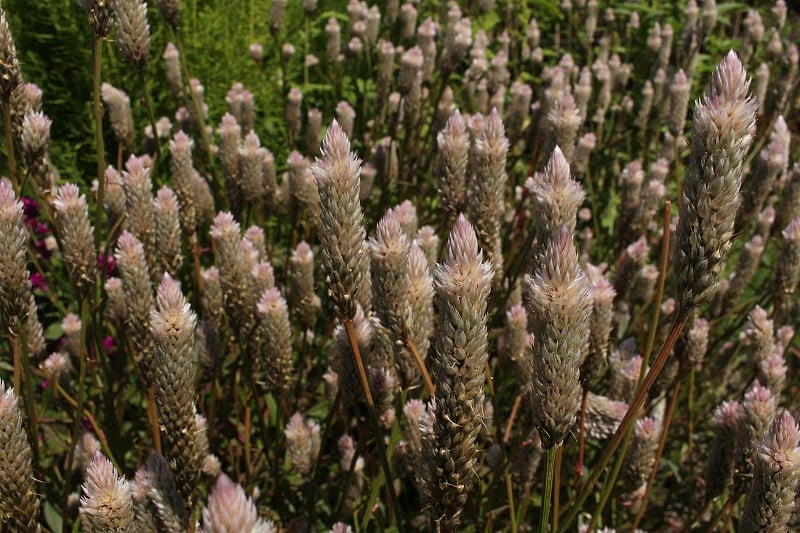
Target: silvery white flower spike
[[722, 131]]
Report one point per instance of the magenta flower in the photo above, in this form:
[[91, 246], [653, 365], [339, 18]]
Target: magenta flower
[[108, 344], [38, 281], [41, 247], [110, 263]]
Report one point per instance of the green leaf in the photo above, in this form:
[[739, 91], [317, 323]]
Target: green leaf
[[53, 331]]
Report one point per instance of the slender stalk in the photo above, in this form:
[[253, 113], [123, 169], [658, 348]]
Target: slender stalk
[[78, 419], [373, 416], [426, 377], [510, 495], [152, 417], [627, 421], [625, 430], [581, 437], [101, 436], [511, 417], [12, 162], [150, 115], [97, 108], [547, 493], [557, 485], [198, 111], [662, 443]]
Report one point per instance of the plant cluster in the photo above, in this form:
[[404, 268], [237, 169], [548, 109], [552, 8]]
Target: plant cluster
[[480, 267]]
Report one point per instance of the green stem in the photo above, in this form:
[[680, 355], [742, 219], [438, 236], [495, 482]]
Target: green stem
[[12, 162], [627, 422], [198, 111], [510, 493], [97, 108], [76, 426], [373, 416], [547, 493], [661, 445], [150, 114]]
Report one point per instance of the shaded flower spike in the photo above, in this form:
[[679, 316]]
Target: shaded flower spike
[[487, 200], [119, 109], [230, 509], [181, 171], [722, 131], [10, 75], [449, 448], [77, 236], [170, 10], [556, 198], [138, 292], [777, 472], [560, 309], [172, 324], [276, 330], [341, 230], [107, 502], [15, 285], [19, 503], [302, 443], [304, 301], [133, 31]]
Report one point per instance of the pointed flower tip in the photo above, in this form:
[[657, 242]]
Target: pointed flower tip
[[730, 80]]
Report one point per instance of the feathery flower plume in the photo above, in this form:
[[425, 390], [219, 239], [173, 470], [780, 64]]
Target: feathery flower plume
[[168, 230], [107, 502], [556, 198], [777, 472], [746, 267], [304, 302], [251, 170], [172, 58], [230, 134], [234, 274], [603, 415], [170, 10], [172, 325], [428, 241], [560, 308], [463, 282], [229, 509], [389, 269], [641, 455], [758, 410], [787, 269], [100, 16], [600, 326], [487, 198], [181, 170], [119, 109], [139, 208], [679, 101], [114, 199], [34, 139], [10, 75], [155, 496], [19, 503], [341, 230], [276, 330], [77, 236], [564, 120], [15, 285], [420, 300], [453, 143], [133, 31], [722, 131], [728, 422], [302, 443]]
